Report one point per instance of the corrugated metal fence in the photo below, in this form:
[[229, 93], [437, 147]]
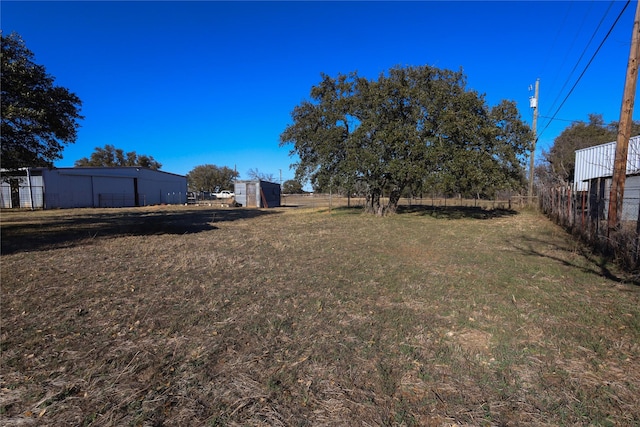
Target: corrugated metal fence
[[21, 197]]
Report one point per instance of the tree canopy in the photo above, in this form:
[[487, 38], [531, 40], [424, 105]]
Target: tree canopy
[[291, 186], [211, 177], [413, 129], [110, 156], [38, 118], [559, 162]]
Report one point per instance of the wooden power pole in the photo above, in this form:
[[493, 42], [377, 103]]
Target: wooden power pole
[[624, 130], [534, 105]]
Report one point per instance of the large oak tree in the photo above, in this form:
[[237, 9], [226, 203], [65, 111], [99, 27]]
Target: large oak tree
[[38, 117], [291, 186], [211, 177], [416, 128]]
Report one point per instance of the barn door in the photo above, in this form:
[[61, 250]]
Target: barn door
[[136, 196], [251, 195], [15, 193]]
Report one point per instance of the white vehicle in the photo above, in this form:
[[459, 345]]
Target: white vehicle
[[224, 194]]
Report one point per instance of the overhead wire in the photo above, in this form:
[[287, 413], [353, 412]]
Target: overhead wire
[[555, 40], [585, 69], [562, 120], [566, 82]]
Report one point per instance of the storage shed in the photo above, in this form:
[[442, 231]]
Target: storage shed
[[594, 172], [597, 162], [599, 190], [91, 187], [257, 194]]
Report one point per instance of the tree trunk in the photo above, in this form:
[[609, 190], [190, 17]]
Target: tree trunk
[[394, 199], [373, 205]]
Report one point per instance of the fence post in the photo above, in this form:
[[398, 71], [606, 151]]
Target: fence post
[[636, 258], [569, 207], [582, 212], [597, 215]]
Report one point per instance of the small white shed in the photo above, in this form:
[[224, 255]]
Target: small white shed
[[257, 194]]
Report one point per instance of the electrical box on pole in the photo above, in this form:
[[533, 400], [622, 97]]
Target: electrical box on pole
[[533, 102]]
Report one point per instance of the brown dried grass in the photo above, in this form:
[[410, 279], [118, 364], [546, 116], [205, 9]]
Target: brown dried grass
[[200, 316]]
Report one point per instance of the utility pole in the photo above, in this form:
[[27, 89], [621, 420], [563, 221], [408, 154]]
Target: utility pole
[[533, 102], [616, 196]]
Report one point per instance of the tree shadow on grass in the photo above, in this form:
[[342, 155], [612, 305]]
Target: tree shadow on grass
[[457, 212], [597, 265], [33, 233], [342, 210], [439, 212]]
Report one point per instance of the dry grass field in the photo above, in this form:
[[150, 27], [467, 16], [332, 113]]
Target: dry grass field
[[189, 315]]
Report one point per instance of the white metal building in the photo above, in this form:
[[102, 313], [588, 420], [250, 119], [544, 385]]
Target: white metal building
[[594, 173], [597, 162], [91, 187]]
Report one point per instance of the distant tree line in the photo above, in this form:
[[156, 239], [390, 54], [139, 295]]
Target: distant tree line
[[110, 156], [413, 129]]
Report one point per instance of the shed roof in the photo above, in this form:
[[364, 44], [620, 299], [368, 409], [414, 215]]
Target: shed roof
[[597, 162], [108, 170]]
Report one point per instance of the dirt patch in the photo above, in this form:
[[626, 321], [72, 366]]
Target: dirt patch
[[474, 341]]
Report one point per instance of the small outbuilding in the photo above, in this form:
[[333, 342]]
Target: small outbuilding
[[257, 194], [83, 187], [594, 175], [597, 162]]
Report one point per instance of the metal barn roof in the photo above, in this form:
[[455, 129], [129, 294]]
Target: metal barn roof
[[597, 162]]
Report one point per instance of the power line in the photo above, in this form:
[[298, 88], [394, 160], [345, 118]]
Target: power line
[[581, 55], [553, 45], [562, 120], [586, 67]]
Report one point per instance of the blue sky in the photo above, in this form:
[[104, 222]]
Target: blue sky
[[201, 82]]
